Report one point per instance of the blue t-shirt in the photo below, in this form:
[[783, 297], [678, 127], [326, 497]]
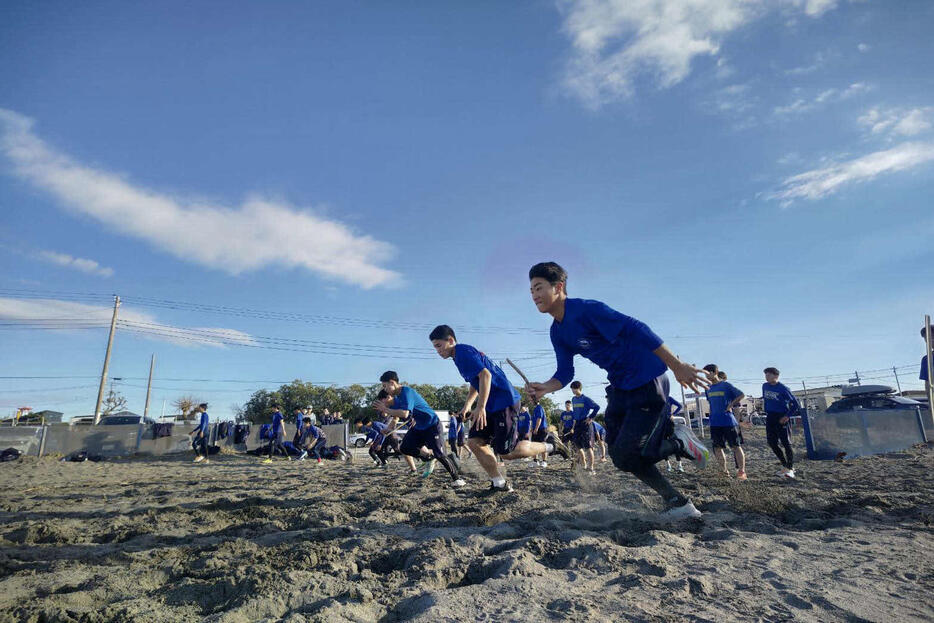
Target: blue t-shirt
[[675, 404], [538, 418], [470, 362], [374, 430], [599, 430], [719, 397], [778, 399], [412, 401], [924, 369], [454, 428], [583, 408], [567, 420], [312, 432], [203, 424], [615, 342], [523, 422], [276, 423], [298, 420]]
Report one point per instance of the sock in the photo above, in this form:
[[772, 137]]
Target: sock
[[549, 448], [499, 481]]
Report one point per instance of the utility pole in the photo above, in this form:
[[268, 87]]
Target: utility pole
[[805, 394], [928, 341], [897, 384], [152, 364], [856, 373], [110, 343]]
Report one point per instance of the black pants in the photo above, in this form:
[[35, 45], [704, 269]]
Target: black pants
[[276, 444], [316, 446], [775, 433], [638, 432], [375, 455], [430, 438], [200, 445]]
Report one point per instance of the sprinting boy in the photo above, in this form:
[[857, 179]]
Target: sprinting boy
[[278, 433], [676, 408], [780, 404], [636, 361], [585, 410], [199, 442], [426, 429], [492, 425], [722, 398]]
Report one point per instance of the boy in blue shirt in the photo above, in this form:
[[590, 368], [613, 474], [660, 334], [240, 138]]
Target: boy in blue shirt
[[456, 434], [567, 423], [524, 424], [311, 438], [493, 426], [636, 361], [539, 432], [722, 397], [426, 429], [599, 434], [299, 418], [585, 410], [200, 441], [278, 433], [779, 404]]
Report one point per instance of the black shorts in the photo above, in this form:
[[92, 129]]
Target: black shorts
[[540, 435], [583, 435], [500, 431], [721, 436]]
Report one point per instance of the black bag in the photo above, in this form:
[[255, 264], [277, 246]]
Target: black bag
[[10, 454]]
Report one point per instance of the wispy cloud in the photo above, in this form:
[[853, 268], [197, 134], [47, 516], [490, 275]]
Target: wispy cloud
[[823, 98], [898, 121], [77, 263], [863, 47], [820, 58], [34, 310], [615, 41], [827, 180], [256, 234]]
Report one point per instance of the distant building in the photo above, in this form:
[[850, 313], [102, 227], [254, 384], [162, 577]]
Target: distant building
[[819, 398]]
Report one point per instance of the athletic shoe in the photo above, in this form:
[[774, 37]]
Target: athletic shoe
[[303, 455], [320, 462], [429, 467], [206, 461], [669, 468], [544, 463], [789, 474], [559, 447], [460, 482], [199, 458], [691, 446], [686, 511], [680, 467], [267, 460], [741, 475], [506, 488], [592, 472], [288, 458]]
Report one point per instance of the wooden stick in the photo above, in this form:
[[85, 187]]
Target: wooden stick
[[518, 371]]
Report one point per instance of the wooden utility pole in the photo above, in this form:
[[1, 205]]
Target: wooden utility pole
[[152, 364], [897, 384], [928, 341], [110, 343]]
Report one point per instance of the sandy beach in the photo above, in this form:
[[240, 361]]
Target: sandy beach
[[236, 541]]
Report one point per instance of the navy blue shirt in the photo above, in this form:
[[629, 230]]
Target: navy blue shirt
[[312, 432], [599, 430], [719, 397], [454, 427], [374, 430], [778, 399], [538, 418], [924, 369], [298, 420], [674, 403], [470, 362], [411, 401], [523, 421], [203, 424], [583, 408], [276, 423], [567, 420], [615, 342]]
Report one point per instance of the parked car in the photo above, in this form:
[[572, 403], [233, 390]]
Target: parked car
[[358, 440], [872, 397], [123, 419]]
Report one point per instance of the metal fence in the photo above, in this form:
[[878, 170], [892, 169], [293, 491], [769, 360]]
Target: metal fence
[[862, 432]]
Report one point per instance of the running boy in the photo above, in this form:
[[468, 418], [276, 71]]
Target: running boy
[[426, 429], [780, 404], [724, 429], [199, 442], [636, 361], [492, 427], [585, 410], [278, 432]]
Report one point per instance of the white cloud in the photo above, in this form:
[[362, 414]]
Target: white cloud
[[233, 239], [614, 41], [78, 263], [825, 181], [24, 310], [862, 47], [827, 96], [820, 59], [898, 122]]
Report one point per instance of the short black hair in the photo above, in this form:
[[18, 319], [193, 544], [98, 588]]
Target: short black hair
[[576, 385], [366, 421], [442, 332], [771, 370], [297, 409], [382, 395], [721, 375], [389, 375], [550, 272], [204, 406], [712, 367], [567, 402], [306, 420], [275, 406]]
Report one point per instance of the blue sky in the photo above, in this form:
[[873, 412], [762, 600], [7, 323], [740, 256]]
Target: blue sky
[[752, 179]]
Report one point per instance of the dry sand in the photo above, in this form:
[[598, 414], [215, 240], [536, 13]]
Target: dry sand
[[166, 540]]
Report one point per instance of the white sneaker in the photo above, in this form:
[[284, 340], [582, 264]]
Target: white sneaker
[[669, 467], [680, 467], [544, 463], [789, 474], [687, 511], [429, 468], [692, 446], [460, 482], [198, 459], [303, 455]]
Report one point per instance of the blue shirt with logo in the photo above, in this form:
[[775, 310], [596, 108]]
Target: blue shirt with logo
[[538, 418], [523, 422], [470, 362], [583, 408], [617, 343], [411, 401], [778, 399], [719, 397], [567, 420]]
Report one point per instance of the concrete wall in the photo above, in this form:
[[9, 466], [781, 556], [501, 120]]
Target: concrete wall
[[26, 439], [104, 440]]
